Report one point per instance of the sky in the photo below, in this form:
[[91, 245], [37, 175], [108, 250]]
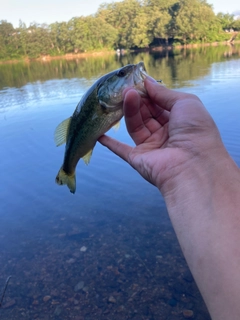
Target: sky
[[49, 11]]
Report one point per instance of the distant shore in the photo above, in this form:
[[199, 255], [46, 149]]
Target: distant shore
[[197, 45], [68, 56], [72, 56]]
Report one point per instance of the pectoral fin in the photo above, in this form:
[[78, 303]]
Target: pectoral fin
[[60, 134], [87, 157]]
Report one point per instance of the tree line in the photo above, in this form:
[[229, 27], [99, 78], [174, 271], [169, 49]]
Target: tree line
[[129, 24]]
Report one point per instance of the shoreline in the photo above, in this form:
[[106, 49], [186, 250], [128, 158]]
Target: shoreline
[[68, 56], [194, 45], [72, 56]]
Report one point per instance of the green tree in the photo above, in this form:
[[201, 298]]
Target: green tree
[[124, 24], [23, 38], [6, 39], [159, 16], [122, 16], [55, 42], [63, 36], [141, 34], [6, 31], [236, 24], [104, 35], [226, 20], [89, 33], [193, 19]]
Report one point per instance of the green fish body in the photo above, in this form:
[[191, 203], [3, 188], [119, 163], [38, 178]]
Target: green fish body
[[100, 108]]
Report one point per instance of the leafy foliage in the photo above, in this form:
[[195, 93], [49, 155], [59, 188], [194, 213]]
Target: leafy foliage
[[126, 24]]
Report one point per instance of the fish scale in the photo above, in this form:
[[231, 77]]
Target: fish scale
[[100, 108]]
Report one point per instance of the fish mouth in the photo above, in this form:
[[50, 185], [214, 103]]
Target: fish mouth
[[139, 75], [142, 70], [139, 72]]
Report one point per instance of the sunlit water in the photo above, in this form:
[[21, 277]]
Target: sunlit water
[[132, 266]]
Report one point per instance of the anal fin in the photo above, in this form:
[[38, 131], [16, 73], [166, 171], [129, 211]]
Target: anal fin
[[116, 126], [87, 157]]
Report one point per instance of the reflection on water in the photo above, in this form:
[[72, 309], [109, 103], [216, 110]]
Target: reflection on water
[[178, 64], [109, 251], [37, 81]]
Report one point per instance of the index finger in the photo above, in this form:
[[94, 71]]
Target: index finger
[[164, 97], [133, 117]]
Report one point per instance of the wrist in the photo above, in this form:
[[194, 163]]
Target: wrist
[[203, 202], [200, 176]]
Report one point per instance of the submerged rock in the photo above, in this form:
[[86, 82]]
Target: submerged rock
[[112, 299], [58, 311], [46, 298], [79, 286], [188, 314], [9, 304]]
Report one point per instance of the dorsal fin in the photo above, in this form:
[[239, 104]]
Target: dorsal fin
[[60, 134]]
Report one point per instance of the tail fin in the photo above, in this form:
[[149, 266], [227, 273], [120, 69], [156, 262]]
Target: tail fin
[[64, 178]]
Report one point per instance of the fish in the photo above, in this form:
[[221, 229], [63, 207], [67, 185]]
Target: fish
[[99, 109]]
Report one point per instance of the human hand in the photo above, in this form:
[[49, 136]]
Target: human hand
[[179, 149], [171, 130]]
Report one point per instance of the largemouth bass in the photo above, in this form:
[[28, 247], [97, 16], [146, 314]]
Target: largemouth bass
[[100, 108]]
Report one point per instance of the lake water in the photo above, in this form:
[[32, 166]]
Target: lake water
[[109, 251]]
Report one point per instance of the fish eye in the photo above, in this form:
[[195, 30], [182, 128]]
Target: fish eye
[[121, 73]]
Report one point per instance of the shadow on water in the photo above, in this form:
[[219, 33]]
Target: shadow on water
[[109, 251]]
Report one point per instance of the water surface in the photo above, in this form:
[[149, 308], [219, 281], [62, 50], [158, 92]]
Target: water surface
[[109, 251]]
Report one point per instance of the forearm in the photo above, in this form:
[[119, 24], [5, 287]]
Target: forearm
[[179, 149], [203, 202]]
